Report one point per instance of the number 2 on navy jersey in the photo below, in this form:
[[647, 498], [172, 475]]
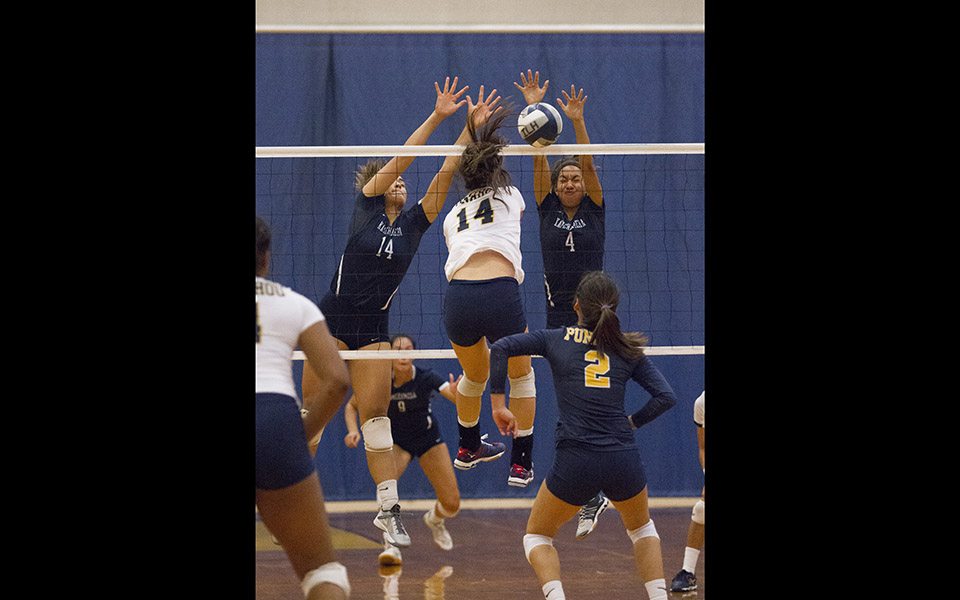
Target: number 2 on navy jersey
[[484, 213], [593, 373]]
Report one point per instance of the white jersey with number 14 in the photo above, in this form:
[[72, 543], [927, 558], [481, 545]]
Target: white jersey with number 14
[[484, 220]]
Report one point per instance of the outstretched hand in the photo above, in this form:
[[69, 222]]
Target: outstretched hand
[[483, 109], [454, 383], [505, 421], [574, 106], [447, 100], [532, 92], [352, 440]]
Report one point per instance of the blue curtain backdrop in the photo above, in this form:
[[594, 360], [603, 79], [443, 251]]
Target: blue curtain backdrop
[[366, 89]]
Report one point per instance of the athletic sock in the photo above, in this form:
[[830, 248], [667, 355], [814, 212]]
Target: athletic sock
[[656, 589], [690, 557], [553, 590], [387, 494], [522, 451], [469, 437]]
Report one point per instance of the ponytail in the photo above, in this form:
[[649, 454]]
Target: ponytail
[[481, 163], [598, 296]]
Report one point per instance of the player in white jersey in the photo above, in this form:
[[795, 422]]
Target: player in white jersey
[[464, 240], [483, 302], [288, 493], [685, 580]]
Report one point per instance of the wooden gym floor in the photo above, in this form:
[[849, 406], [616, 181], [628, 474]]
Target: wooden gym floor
[[487, 559]]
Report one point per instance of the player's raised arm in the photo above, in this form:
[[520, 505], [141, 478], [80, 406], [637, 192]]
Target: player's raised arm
[[533, 93], [574, 111], [448, 102], [480, 112]]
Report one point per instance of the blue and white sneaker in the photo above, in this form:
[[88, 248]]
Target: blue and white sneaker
[[467, 460]]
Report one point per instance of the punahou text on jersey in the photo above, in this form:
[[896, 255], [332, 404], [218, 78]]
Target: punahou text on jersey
[[478, 193], [579, 335], [268, 288]]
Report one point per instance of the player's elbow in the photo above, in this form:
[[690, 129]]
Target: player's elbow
[[335, 379], [340, 383], [667, 399]]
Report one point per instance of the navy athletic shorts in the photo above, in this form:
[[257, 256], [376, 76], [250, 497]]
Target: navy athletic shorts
[[283, 458], [490, 308], [419, 441], [352, 328], [579, 472]]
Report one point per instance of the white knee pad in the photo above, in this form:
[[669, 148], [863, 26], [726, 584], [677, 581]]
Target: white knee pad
[[376, 435], [332, 572], [699, 512], [648, 530], [471, 388], [531, 541], [524, 387]]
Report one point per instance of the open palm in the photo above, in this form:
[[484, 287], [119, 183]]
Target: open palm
[[447, 101], [484, 108], [532, 92], [574, 106]]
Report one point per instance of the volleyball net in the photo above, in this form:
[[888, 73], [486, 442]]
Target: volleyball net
[[654, 198]]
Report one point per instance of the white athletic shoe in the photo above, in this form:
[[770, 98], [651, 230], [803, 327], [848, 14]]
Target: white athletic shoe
[[589, 513], [389, 522], [440, 534]]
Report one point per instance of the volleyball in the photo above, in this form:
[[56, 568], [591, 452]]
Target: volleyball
[[539, 124]]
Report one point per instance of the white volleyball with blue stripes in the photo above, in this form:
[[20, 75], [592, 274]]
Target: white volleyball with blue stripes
[[539, 124]]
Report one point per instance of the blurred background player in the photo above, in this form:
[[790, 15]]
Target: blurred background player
[[483, 302], [572, 229], [591, 363], [685, 580], [288, 493], [416, 435]]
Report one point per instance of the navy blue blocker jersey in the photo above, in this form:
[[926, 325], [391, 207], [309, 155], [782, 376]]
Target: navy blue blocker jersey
[[590, 387], [410, 403], [570, 247], [377, 255]]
